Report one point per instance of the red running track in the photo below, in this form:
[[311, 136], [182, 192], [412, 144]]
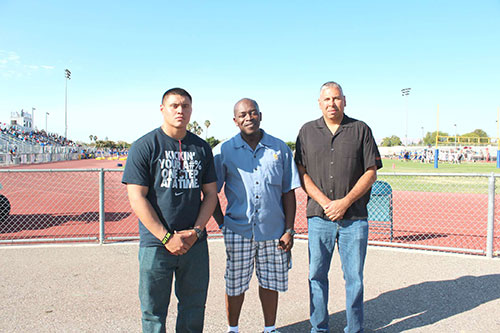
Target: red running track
[[66, 205]]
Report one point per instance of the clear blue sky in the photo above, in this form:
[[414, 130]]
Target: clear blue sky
[[124, 54]]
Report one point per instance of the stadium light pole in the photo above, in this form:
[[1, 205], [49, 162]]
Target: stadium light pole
[[406, 92], [46, 115], [67, 74], [455, 135], [498, 138]]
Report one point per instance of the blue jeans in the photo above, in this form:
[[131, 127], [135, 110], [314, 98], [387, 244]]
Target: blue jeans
[[157, 268], [352, 239]]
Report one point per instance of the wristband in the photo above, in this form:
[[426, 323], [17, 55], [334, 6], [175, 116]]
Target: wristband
[[165, 239]]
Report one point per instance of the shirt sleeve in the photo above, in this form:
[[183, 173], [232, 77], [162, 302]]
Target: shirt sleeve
[[371, 155], [291, 178], [299, 151], [137, 167]]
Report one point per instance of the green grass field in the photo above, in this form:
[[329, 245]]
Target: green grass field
[[452, 184]]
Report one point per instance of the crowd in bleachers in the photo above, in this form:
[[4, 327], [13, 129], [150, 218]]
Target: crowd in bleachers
[[37, 137]]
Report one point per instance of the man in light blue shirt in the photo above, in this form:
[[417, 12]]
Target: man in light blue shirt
[[260, 177]]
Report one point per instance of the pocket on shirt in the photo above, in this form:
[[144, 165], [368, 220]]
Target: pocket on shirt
[[349, 150], [274, 173]]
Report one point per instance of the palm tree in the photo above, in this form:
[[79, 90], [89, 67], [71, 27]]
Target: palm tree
[[197, 128], [207, 125], [194, 127]]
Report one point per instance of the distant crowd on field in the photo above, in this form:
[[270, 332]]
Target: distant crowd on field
[[37, 137], [451, 155], [104, 152]]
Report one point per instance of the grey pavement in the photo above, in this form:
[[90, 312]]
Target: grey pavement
[[92, 288]]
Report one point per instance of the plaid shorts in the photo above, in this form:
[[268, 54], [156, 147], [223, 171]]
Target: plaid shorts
[[271, 264]]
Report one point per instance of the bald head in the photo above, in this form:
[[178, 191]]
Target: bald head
[[245, 102], [247, 117]]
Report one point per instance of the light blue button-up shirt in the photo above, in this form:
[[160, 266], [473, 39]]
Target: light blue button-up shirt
[[255, 181]]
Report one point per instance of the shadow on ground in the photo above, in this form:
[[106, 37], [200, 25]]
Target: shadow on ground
[[19, 222], [419, 237], [418, 305]]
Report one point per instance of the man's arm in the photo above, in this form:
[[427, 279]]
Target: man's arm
[[141, 206], [310, 188], [289, 207], [218, 215], [206, 210], [220, 170]]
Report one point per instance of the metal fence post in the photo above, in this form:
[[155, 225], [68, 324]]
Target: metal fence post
[[101, 206], [491, 216], [436, 158]]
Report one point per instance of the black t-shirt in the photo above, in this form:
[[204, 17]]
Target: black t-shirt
[[336, 162], [174, 172]]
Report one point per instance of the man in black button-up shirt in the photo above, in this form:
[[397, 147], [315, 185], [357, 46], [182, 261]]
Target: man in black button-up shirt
[[337, 160]]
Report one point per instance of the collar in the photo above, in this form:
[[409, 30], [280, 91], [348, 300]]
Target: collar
[[321, 125], [346, 122], [171, 138], [265, 141]]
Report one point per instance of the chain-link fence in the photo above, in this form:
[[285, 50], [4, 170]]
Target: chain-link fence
[[456, 212], [447, 212]]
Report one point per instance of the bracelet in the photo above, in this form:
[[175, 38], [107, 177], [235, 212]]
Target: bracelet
[[165, 239]]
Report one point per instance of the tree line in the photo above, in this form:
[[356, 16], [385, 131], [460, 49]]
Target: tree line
[[430, 138], [193, 127], [394, 140]]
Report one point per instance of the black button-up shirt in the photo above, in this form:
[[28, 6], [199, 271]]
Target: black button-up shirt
[[335, 162]]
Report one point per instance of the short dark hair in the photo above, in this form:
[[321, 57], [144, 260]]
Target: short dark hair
[[332, 84], [176, 91]]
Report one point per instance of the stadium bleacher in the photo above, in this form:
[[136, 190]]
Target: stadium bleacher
[[21, 147]]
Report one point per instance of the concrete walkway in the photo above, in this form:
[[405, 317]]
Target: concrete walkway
[[91, 288]]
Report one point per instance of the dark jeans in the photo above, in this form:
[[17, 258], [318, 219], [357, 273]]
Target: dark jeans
[[157, 268]]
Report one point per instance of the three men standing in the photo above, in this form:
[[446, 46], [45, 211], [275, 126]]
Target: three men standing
[[260, 177], [337, 158], [169, 168]]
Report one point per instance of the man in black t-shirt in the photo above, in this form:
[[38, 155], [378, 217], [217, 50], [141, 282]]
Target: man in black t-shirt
[[167, 170]]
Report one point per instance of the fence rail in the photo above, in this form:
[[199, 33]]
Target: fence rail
[[8, 159], [442, 212]]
